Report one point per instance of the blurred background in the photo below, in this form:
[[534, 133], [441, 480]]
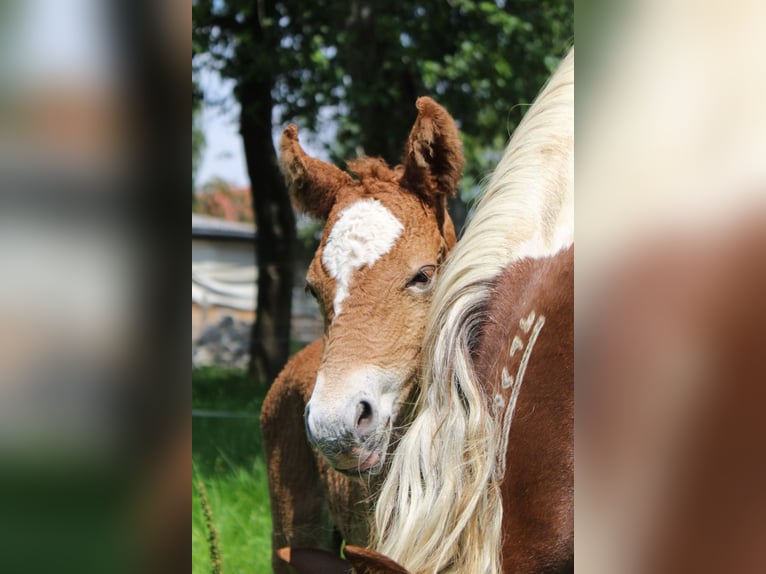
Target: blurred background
[[670, 275], [94, 429]]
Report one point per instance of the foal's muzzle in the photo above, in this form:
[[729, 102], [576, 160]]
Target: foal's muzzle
[[348, 439]]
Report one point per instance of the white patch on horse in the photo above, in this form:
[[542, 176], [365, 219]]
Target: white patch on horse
[[364, 232], [525, 324], [516, 345], [528, 351], [514, 383], [506, 379]]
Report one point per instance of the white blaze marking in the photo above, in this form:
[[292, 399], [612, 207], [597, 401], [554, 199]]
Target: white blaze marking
[[364, 232]]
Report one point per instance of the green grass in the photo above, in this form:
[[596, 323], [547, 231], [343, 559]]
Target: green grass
[[227, 456]]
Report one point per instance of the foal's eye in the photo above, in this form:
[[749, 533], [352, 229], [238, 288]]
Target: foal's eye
[[422, 278]]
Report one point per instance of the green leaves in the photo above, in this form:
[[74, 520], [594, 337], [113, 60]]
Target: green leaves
[[361, 65]]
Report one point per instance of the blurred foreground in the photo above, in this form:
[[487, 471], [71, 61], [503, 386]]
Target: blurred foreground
[[94, 430], [670, 286]]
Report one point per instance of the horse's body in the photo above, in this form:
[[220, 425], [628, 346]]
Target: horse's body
[[527, 343]]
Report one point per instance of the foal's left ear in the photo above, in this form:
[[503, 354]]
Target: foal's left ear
[[433, 156]]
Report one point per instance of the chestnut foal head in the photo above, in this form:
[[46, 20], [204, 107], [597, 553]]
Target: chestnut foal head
[[387, 230]]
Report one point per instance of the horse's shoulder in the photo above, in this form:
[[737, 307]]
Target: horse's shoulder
[[524, 291]]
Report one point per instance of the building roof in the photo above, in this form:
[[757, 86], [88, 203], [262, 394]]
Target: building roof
[[206, 227]]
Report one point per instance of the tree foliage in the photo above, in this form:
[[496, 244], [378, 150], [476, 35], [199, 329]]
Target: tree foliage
[[353, 69]]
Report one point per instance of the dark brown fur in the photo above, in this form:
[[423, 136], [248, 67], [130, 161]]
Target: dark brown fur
[[538, 490]]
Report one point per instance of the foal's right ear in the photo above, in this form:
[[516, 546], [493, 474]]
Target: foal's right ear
[[433, 156], [313, 183]]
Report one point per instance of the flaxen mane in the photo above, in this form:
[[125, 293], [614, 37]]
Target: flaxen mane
[[440, 507]]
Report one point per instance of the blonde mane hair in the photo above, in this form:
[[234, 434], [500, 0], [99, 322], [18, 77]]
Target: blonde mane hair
[[440, 508]]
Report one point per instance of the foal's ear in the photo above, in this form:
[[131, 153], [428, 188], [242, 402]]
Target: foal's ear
[[313, 183], [433, 156]]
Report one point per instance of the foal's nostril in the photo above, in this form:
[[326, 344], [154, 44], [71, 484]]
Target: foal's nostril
[[364, 417]]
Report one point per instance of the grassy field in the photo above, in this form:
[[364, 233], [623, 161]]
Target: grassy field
[[227, 456]]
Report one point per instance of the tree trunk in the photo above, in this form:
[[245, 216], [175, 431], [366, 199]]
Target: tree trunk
[[275, 240], [385, 118]]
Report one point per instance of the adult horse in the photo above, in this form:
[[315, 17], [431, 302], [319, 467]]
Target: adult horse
[[467, 491], [387, 232]]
